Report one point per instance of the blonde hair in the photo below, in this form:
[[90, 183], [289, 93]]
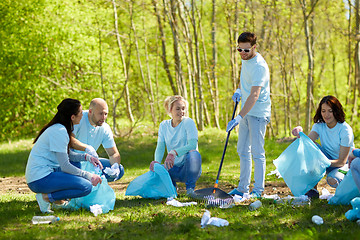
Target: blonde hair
[[169, 101]]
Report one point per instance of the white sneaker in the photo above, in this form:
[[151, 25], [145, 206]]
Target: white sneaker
[[45, 207]]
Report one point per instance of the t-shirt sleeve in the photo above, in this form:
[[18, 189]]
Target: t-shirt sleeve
[[316, 128], [191, 130], [346, 137], [108, 139], [58, 140], [259, 77]]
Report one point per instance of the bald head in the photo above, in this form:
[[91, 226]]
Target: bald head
[[98, 111]]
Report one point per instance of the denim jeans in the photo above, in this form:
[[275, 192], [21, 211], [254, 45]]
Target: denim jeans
[[188, 173], [60, 185], [251, 145], [333, 172], [355, 171]]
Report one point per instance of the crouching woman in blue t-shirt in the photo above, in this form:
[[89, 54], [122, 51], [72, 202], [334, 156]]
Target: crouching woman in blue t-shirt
[[336, 137], [49, 172], [180, 136]]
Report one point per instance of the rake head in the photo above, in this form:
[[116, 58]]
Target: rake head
[[214, 197]]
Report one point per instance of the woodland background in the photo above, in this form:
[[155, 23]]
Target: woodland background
[[135, 53]]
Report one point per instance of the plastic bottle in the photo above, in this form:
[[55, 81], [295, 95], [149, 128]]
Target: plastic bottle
[[255, 205], [44, 219], [317, 220]]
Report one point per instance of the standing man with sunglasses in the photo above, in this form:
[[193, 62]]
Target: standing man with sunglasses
[[255, 114]]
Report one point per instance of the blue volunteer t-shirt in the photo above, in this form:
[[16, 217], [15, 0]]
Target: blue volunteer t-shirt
[[94, 136], [42, 159], [332, 138], [255, 72], [177, 137]]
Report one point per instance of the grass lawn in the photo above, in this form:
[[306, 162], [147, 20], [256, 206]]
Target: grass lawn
[[137, 218]]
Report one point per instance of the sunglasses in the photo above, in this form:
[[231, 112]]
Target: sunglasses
[[244, 49]]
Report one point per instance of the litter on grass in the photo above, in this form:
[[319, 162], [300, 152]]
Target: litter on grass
[[208, 220], [325, 194], [317, 220], [176, 203], [96, 209], [302, 200], [275, 172]]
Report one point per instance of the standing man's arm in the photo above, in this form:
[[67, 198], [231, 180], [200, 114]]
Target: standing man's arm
[[251, 100], [114, 155]]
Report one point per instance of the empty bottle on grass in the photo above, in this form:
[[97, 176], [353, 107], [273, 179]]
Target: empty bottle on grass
[[44, 219]]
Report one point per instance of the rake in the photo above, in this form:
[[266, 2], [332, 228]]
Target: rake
[[214, 196]]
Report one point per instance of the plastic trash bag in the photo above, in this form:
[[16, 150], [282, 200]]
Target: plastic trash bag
[[345, 192], [354, 214], [302, 165], [154, 185], [101, 194]]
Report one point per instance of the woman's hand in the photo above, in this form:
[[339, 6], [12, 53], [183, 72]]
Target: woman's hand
[[95, 180], [296, 131], [170, 159], [94, 160], [152, 165]]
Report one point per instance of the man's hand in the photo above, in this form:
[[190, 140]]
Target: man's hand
[[94, 160], [90, 150], [237, 96], [233, 123]]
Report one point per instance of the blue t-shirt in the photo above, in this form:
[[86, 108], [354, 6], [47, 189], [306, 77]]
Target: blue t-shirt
[[255, 72], [42, 159], [332, 138], [94, 136], [177, 137]]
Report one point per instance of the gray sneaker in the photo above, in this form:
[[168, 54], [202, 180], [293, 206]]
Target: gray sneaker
[[45, 207]]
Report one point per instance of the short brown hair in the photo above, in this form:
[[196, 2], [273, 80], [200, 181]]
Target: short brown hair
[[336, 107], [247, 37]]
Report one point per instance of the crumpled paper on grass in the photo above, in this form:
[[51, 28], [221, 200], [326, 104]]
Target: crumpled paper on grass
[[208, 220], [114, 171], [175, 203], [239, 199], [96, 209], [276, 172], [325, 194]]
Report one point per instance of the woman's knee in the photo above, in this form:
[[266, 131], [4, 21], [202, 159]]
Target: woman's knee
[[194, 156]]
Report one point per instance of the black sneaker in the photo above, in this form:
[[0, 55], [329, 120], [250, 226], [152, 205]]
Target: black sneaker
[[312, 194]]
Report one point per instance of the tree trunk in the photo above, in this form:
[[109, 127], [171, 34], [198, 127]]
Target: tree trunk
[[310, 54], [215, 94], [126, 89], [163, 48]]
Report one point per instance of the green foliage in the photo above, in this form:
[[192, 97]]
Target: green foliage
[[51, 49]]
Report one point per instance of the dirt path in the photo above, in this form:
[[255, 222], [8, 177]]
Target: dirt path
[[18, 185]]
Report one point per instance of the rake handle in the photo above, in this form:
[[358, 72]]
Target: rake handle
[[223, 155]]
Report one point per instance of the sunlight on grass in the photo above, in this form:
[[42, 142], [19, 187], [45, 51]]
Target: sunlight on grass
[[137, 218]]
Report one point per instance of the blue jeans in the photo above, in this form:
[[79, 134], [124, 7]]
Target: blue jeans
[[333, 172], [251, 142], [355, 171], [188, 173], [59, 186]]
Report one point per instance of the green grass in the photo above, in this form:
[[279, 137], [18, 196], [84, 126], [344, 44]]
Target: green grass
[[137, 218]]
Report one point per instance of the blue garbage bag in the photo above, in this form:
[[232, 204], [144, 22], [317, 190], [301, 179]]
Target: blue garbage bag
[[345, 192], [354, 214], [302, 165], [102, 194], [153, 185]]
